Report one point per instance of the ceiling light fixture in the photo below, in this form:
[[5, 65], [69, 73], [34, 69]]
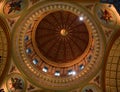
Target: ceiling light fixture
[[81, 18]]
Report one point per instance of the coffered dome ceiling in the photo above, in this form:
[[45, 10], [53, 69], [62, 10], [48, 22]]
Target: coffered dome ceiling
[[61, 36], [58, 45]]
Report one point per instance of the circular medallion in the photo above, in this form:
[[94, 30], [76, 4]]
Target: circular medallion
[[13, 8], [15, 83], [105, 15], [58, 44]]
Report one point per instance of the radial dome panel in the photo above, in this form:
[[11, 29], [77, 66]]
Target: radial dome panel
[[61, 36]]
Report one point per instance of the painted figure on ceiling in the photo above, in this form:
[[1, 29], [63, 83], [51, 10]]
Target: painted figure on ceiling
[[14, 6], [106, 16], [16, 83]]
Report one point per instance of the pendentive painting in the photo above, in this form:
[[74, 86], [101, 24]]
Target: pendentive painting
[[15, 83], [106, 15], [14, 7]]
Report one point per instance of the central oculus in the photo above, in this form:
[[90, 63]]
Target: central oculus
[[61, 37]]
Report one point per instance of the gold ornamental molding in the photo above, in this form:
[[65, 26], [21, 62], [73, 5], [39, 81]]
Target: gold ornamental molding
[[4, 48], [24, 54]]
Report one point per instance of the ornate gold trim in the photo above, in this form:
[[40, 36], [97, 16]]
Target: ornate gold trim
[[6, 65], [45, 80]]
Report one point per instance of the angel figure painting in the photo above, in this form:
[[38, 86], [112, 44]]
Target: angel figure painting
[[13, 7], [15, 84]]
